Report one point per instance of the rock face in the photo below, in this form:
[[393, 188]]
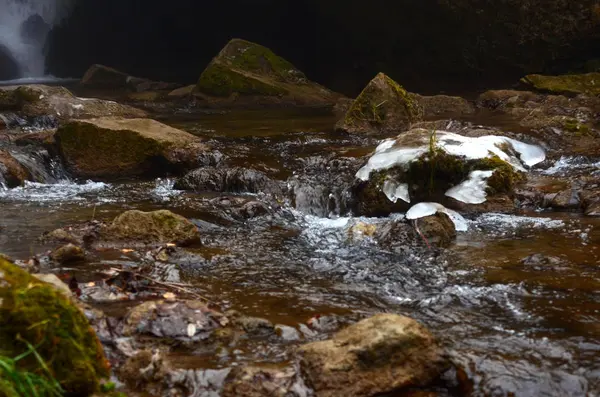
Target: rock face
[[247, 73], [233, 180], [115, 147], [35, 312], [153, 227], [104, 77], [572, 84], [382, 107], [9, 69], [379, 355], [40, 100], [12, 173]]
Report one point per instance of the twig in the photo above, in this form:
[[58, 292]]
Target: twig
[[421, 234]]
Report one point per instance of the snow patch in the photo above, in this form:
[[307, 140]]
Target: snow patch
[[394, 191], [472, 190]]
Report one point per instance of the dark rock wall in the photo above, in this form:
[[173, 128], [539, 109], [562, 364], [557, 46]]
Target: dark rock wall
[[428, 45]]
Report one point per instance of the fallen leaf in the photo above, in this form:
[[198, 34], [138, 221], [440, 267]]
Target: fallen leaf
[[171, 245], [91, 284], [126, 250], [169, 296]]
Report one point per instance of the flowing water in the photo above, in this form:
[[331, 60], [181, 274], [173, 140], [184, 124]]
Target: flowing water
[[516, 299]]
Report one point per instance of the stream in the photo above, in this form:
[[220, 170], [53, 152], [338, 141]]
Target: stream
[[515, 300]]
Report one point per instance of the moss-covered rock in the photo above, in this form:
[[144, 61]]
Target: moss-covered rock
[[436, 106], [428, 177], [572, 84], [40, 100], [382, 107], [152, 227], [68, 253], [34, 312], [245, 72], [379, 355], [116, 147], [12, 173]]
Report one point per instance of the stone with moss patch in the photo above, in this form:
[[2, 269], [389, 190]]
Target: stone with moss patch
[[571, 84], [161, 226], [245, 70], [34, 312], [382, 107], [12, 173], [114, 147]]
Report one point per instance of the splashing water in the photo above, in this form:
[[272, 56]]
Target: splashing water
[[24, 26]]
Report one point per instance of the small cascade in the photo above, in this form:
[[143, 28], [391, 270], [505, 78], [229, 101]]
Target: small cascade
[[41, 166], [28, 124]]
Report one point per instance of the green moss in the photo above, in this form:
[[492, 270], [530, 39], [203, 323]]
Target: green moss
[[580, 129], [572, 84], [221, 81], [504, 178], [94, 151], [254, 58], [377, 100], [36, 312]]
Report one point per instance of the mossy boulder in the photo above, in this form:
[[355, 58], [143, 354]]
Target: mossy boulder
[[571, 84], [376, 356], [36, 313], [116, 147], [421, 170], [12, 173], [436, 106], [245, 73], [382, 107], [59, 102], [157, 227]]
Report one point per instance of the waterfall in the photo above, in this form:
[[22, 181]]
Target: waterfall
[[24, 26]]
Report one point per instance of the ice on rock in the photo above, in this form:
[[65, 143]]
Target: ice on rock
[[395, 190], [421, 210], [389, 155], [472, 190]]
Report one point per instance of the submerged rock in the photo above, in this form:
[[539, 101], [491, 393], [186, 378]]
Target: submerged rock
[[116, 147], [152, 228], [571, 84], [232, 180], [379, 355], [245, 73], [41, 100], [67, 254], [34, 312], [382, 107], [437, 166], [12, 173]]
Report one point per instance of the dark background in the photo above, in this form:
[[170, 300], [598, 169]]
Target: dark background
[[427, 45]]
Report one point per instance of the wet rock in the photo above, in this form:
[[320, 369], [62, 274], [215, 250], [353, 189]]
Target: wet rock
[[323, 324], [564, 200], [444, 105], [590, 200], [437, 230], [56, 282], [422, 166], [431, 231], [104, 77], [253, 326], [155, 227], [60, 235], [12, 173], [65, 342], [382, 107], [379, 355], [41, 100], [183, 92], [116, 147], [572, 84], [232, 180], [287, 333], [245, 73], [68, 254], [258, 381], [537, 260], [186, 321]]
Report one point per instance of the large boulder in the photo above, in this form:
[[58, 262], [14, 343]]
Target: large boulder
[[117, 147], [245, 73], [104, 77], [424, 165], [233, 180], [382, 107], [33, 313], [379, 355], [161, 226], [571, 84], [40, 100], [12, 173]]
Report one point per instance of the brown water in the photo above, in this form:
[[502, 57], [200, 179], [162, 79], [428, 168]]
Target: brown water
[[518, 325]]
